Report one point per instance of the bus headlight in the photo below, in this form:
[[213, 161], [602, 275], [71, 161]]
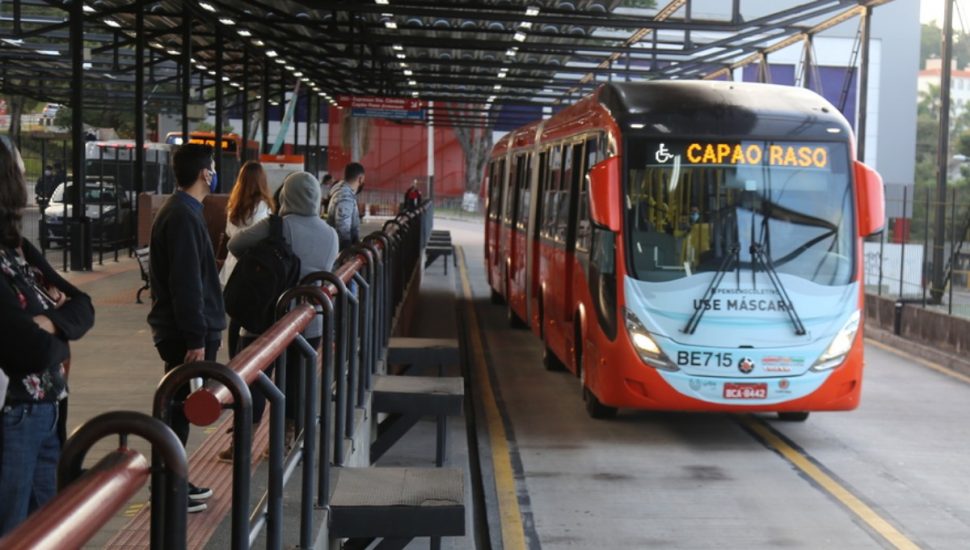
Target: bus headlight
[[648, 350], [840, 346]]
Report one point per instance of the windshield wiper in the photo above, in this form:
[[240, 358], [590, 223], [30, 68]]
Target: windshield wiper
[[761, 256], [701, 307]]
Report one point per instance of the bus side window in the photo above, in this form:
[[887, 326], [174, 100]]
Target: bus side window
[[511, 185], [602, 279], [525, 194], [562, 217], [583, 224], [551, 195], [541, 193], [494, 196]]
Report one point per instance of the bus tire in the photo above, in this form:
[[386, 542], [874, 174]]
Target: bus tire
[[594, 408], [799, 416], [551, 362], [495, 297]]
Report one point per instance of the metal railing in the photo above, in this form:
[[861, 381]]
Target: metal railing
[[357, 303]]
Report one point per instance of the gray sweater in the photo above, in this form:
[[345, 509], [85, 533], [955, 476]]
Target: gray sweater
[[312, 240]]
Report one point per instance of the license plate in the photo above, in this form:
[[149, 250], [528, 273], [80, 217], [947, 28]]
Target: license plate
[[745, 391]]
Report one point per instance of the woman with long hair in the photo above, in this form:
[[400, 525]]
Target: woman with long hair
[[249, 202], [39, 313]]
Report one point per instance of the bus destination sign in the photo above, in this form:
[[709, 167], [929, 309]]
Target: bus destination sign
[[792, 155]]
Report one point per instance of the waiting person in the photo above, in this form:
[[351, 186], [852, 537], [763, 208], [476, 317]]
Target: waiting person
[[39, 313], [315, 243], [343, 214], [249, 203], [325, 185], [187, 315], [412, 198], [45, 186]]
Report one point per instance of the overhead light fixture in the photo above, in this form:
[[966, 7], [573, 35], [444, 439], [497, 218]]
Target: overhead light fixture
[[280, 61], [502, 75], [156, 45], [298, 74], [259, 43], [305, 79], [321, 94], [526, 25], [207, 7], [414, 93], [381, 2], [519, 36], [226, 21], [401, 56], [289, 67], [497, 87], [112, 23], [225, 79], [244, 32], [404, 65], [271, 53], [48, 52], [532, 11], [511, 52], [390, 24], [88, 9], [412, 82], [172, 51], [408, 72], [201, 67], [397, 47], [87, 65], [211, 73]]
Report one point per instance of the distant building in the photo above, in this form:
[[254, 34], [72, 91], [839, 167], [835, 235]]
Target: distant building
[[959, 81]]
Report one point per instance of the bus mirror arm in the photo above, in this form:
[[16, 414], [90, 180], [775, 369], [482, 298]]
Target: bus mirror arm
[[871, 200], [604, 193]]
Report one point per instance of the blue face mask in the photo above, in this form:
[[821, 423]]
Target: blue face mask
[[694, 216], [214, 182]]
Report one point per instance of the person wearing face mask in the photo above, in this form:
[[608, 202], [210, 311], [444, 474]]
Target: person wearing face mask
[[45, 186], [342, 213], [187, 316]]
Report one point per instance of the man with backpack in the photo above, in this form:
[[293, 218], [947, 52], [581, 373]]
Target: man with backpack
[[187, 315], [274, 254]]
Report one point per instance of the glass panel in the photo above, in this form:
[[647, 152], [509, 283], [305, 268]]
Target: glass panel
[[689, 205]]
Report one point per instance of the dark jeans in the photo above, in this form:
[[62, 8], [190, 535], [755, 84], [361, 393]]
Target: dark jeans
[[232, 339], [173, 353], [29, 451], [293, 390]]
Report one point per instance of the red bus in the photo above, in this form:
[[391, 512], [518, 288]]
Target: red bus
[[688, 245]]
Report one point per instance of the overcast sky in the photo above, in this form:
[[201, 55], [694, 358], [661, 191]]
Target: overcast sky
[[933, 9]]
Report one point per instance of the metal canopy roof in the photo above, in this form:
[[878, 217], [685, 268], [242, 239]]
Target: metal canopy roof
[[476, 53]]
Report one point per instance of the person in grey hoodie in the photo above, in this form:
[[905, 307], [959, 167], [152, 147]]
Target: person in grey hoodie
[[315, 243], [342, 212]]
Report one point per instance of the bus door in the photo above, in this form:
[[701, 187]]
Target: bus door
[[517, 264], [561, 299], [550, 278], [494, 221], [506, 228], [572, 175], [533, 277]]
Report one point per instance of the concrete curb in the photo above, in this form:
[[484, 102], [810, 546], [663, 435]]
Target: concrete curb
[[941, 358]]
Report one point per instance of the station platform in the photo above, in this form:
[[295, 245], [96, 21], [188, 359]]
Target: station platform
[[541, 474]]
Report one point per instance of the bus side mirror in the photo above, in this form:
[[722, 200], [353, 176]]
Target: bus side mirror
[[871, 200], [604, 193]]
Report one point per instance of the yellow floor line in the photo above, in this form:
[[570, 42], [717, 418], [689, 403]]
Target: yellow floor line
[[928, 364], [831, 486], [513, 532]]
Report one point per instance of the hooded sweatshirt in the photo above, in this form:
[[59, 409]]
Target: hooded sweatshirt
[[343, 214], [311, 239]]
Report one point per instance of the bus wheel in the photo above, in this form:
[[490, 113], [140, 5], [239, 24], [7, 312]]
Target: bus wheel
[[495, 297], [800, 416], [551, 362], [594, 408]]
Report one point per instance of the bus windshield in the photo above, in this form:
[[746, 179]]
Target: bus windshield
[[775, 205]]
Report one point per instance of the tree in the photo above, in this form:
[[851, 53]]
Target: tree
[[205, 126], [476, 143]]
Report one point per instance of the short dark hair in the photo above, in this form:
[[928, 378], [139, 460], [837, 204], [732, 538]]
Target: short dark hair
[[13, 194], [188, 160], [352, 170], [327, 178]]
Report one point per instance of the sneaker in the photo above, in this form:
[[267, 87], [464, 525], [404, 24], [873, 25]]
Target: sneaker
[[195, 506], [199, 494]]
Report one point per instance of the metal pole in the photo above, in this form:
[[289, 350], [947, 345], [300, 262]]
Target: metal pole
[[186, 67], [882, 247], [306, 148], [943, 155], [219, 108], [80, 239], [138, 183], [953, 245], [264, 145], [926, 236], [244, 154], [316, 138], [863, 85], [902, 247]]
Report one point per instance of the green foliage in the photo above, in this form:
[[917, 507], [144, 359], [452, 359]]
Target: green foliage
[[123, 122], [931, 44], [205, 126], [638, 3]]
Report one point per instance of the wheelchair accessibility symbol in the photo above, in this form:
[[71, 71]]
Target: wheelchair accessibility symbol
[[663, 154]]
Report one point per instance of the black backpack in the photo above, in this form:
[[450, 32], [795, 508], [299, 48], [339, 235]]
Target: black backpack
[[263, 273]]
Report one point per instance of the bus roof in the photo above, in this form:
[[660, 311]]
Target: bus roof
[[719, 108]]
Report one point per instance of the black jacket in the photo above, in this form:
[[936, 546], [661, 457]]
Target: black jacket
[[29, 355], [186, 295]]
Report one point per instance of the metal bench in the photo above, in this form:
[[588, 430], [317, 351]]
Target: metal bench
[[406, 399], [439, 245], [142, 255]]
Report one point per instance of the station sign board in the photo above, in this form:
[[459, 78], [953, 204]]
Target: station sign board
[[397, 108]]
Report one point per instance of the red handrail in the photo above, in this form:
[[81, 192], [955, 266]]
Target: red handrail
[[204, 406], [79, 511]]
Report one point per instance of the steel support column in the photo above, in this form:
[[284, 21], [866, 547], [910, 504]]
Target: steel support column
[[316, 138], [863, 85], [245, 105], [80, 238], [219, 89], [306, 148], [186, 67], [943, 155]]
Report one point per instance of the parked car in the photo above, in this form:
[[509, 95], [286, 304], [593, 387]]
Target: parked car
[[50, 110], [109, 212]]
